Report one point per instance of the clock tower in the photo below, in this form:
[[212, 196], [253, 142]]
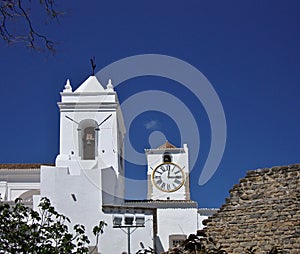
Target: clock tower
[[168, 173]]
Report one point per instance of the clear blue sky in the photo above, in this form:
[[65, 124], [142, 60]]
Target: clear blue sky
[[248, 50]]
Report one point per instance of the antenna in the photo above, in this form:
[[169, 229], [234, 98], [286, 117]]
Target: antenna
[[93, 63]]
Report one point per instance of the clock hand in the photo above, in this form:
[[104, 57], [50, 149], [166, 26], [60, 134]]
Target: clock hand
[[169, 171], [104, 120], [175, 177], [71, 119]]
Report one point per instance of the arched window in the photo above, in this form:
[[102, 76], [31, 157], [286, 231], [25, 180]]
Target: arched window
[[167, 157], [88, 139]]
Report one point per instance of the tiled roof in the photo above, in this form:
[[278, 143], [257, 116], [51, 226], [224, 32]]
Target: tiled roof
[[147, 206], [157, 201], [20, 172], [23, 166], [207, 211], [166, 145], [162, 203]]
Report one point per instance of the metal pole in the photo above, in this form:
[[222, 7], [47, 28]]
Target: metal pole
[[154, 229], [128, 239]]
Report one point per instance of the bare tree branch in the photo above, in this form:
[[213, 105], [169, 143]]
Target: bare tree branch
[[13, 12]]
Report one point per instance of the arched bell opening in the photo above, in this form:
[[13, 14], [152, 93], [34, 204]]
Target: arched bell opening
[[88, 139]]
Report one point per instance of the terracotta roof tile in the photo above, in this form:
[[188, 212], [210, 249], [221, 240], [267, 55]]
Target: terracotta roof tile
[[166, 145], [23, 166]]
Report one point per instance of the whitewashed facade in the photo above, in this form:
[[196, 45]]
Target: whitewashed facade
[[87, 181]]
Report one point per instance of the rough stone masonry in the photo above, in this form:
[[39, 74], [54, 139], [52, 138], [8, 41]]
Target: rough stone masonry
[[263, 211]]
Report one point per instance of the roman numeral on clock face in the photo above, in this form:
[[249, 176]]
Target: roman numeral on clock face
[[177, 181], [159, 182]]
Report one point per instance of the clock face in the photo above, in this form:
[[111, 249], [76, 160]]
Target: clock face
[[168, 177]]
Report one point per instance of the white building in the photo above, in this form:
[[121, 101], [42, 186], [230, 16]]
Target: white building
[[87, 182]]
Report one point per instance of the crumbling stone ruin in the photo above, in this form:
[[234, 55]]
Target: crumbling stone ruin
[[263, 211]]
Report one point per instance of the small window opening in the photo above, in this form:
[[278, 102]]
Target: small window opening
[[167, 157], [175, 240]]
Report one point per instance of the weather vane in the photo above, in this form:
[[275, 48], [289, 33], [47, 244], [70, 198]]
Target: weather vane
[[93, 62]]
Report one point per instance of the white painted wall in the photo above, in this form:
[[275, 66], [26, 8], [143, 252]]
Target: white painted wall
[[58, 185], [181, 221], [11, 190], [181, 158]]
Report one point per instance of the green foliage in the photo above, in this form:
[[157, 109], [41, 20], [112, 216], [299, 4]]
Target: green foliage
[[23, 230], [143, 250], [97, 230], [197, 245]]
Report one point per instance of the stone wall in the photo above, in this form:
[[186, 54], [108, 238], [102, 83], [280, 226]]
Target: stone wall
[[263, 210]]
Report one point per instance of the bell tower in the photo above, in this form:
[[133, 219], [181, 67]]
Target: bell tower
[[89, 170], [91, 128], [168, 173]]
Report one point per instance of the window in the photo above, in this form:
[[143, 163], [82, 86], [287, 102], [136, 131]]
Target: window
[[175, 240], [167, 157], [88, 139]]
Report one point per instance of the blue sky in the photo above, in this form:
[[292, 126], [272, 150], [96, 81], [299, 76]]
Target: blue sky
[[248, 50]]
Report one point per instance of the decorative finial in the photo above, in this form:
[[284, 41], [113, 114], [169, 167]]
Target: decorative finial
[[68, 87], [93, 62], [109, 85]]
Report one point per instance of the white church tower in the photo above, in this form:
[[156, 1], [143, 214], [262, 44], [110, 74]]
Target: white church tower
[[89, 169], [87, 182], [91, 128], [168, 173], [91, 135]]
